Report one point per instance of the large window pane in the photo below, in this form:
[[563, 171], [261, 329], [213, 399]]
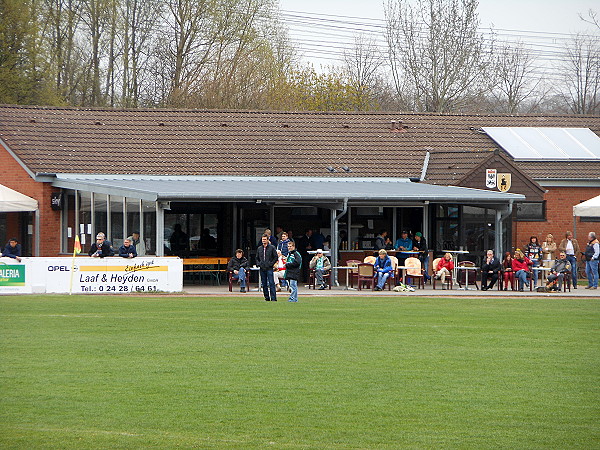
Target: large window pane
[[85, 220], [133, 216], [148, 234], [116, 221], [100, 218]]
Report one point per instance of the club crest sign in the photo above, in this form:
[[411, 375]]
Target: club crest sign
[[504, 181], [490, 178]]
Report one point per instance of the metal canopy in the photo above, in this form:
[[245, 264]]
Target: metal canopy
[[546, 143], [277, 189]]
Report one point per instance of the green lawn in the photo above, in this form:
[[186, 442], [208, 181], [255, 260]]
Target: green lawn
[[371, 372]]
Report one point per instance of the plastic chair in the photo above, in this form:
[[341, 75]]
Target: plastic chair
[[312, 280], [366, 275], [370, 259], [353, 272], [415, 272], [449, 284], [395, 267]]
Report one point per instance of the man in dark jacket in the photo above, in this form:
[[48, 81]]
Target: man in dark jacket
[[292, 270], [100, 248], [12, 250], [489, 269], [238, 265], [558, 270], [127, 250], [266, 258]]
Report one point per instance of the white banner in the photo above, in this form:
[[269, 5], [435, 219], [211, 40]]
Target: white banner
[[92, 275]]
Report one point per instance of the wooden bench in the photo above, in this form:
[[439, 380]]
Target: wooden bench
[[206, 265]]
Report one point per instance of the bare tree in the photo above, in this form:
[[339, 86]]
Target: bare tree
[[581, 74], [361, 65], [515, 72], [436, 52]]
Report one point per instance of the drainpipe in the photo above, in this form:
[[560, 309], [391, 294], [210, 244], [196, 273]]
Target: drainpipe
[[334, 244], [501, 216]]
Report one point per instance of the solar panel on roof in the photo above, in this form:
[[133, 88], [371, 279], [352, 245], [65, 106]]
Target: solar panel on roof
[[547, 144]]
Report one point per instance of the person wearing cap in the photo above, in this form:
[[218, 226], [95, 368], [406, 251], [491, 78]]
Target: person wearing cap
[[100, 248], [321, 265], [420, 245]]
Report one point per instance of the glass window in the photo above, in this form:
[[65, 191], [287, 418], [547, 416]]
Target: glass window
[[133, 216], [148, 234], [100, 218], [116, 221], [530, 211], [68, 222], [85, 220]]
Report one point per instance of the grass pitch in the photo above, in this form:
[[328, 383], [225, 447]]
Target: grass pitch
[[344, 372]]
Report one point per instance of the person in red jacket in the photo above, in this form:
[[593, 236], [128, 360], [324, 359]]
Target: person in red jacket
[[520, 267], [444, 268]]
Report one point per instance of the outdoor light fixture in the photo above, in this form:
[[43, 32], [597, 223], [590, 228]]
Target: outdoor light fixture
[[258, 201]]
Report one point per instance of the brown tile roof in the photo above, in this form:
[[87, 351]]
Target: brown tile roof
[[260, 143]]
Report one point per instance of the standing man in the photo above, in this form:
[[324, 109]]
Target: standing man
[[138, 243], [592, 255], [292, 270], [12, 250], [266, 258], [420, 245], [403, 243], [571, 248], [380, 240]]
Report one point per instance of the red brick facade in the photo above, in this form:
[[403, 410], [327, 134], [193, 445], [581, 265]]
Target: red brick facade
[[18, 179], [559, 216]]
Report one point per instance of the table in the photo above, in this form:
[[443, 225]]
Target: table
[[540, 271], [455, 254], [466, 269], [348, 268]]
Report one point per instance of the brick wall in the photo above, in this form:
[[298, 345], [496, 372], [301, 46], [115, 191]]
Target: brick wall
[[559, 216], [18, 179]]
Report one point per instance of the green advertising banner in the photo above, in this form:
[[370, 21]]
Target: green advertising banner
[[12, 275]]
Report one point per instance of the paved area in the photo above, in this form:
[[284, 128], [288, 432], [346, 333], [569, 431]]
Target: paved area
[[428, 291]]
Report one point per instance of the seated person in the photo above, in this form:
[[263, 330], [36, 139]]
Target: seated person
[[279, 271], [557, 272], [12, 249], [509, 275], [444, 268], [489, 269], [383, 269], [403, 243], [520, 266], [127, 250], [238, 265], [380, 240], [100, 248], [321, 265]]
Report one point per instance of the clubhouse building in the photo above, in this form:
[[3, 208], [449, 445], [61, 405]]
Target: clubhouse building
[[468, 182]]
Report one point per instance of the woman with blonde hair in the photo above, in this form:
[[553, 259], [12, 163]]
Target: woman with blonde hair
[[548, 249], [520, 266], [444, 268]]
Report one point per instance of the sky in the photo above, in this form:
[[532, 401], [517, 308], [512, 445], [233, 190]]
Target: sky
[[538, 21]]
